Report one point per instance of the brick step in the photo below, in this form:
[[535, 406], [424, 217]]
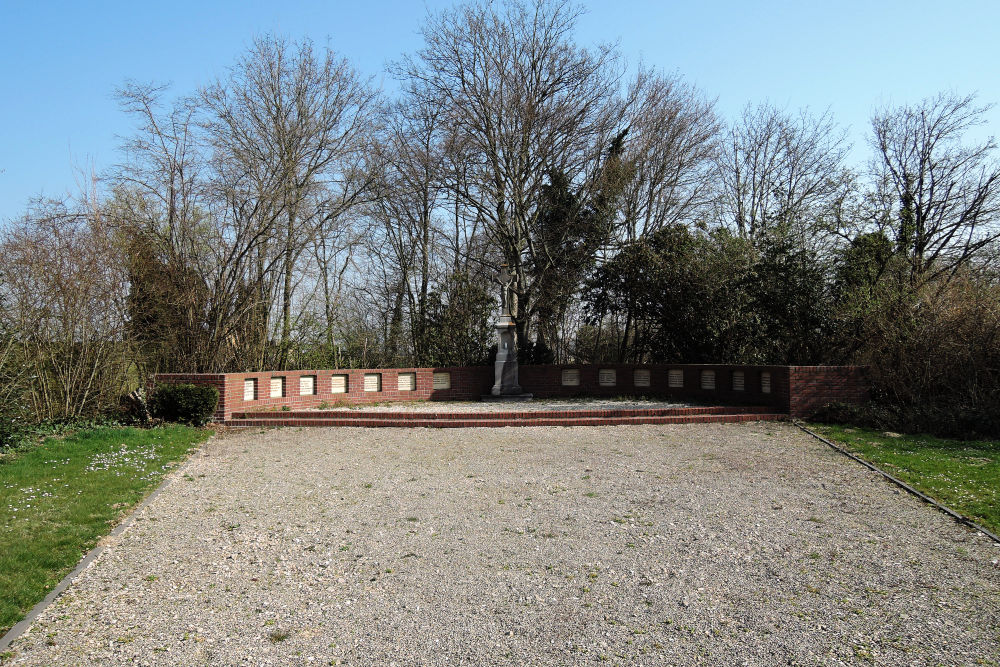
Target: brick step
[[542, 420], [493, 415]]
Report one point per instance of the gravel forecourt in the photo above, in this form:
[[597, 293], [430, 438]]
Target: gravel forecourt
[[680, 544]]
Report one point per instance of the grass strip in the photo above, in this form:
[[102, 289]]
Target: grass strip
[[59, 498], [962, 474]]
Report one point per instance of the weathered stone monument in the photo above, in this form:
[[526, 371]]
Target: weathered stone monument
[[506, 386]]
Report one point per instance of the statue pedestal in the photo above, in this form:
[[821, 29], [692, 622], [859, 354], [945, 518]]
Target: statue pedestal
[[505, 385]]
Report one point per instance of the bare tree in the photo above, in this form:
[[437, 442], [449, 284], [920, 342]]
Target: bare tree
[[190, 291], [334, 253], [161, 214], [947, 192], [670, 145], [778, 173], [65, 303], [411, 208], [523, 102], [14, 367], [286, 127], [158, 185]]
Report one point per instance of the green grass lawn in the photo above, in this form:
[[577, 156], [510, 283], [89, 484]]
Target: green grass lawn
[[59, 498], [964, 475]]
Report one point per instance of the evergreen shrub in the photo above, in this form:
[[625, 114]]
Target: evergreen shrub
[[184, 403]]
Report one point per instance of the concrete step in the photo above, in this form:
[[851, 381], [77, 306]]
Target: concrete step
[[493, 415], [537, 419]]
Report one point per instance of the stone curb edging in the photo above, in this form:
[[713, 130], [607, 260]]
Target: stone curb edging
[[903, 485], [60, 588]]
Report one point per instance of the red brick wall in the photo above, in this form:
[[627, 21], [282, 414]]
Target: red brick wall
[[546, 382], [797, 390], [467, 384], [812, 387]]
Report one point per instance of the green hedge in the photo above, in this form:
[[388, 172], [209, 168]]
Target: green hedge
[[184, 403]]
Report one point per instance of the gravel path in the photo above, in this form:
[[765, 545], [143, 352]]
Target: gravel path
[[715, 544], [512, 406]]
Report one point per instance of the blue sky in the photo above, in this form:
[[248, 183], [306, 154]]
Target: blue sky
[[60, 62]]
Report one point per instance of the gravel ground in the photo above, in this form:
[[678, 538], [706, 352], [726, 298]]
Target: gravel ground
[[513, 406], [714, 543]]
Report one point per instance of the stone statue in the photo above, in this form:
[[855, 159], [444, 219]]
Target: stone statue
[[506, 290], [506, 386]]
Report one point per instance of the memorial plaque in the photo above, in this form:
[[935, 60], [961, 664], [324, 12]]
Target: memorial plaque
[[641, 377], [338, 384], [373, 382], [307, 385], [442, 380], [277, 387], [739, 381], [406, 382], [675, 378], [571, 377], [765, 382], [606, 377], [708, 379], [250, 390]]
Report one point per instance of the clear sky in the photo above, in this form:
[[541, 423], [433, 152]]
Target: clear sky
[[60, 61]]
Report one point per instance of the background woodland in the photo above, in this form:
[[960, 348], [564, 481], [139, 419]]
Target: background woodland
[[292, 215]]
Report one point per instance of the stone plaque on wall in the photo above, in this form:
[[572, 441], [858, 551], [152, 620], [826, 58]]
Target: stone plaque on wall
[[250, 390], [739, 381], [442, 380], [606, 377], [641, 377], [338, 384], [571, 377], [765, 382], [675, 378], [277, 387], [307, 385], [406, 382], [708, 379], [373, 382]]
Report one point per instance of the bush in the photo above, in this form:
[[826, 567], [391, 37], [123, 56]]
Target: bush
[[11, 431], [946, 420], [184, 403]]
